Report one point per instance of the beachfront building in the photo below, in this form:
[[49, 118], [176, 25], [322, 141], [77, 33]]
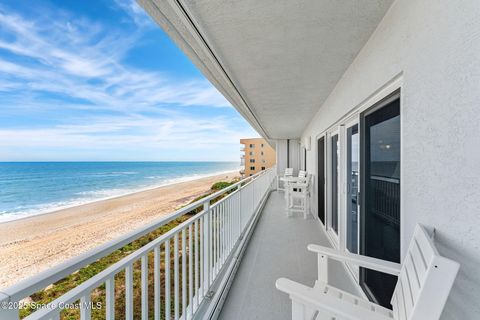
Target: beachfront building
[[257, 155], [379, 101]]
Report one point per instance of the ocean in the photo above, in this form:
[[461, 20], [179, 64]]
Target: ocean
[[31, 188]]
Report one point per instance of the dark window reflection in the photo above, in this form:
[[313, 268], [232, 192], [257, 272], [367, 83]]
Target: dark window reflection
[[381, 210], [353, 156]]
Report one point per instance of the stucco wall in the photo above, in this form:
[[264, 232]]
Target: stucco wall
[[434, 45]]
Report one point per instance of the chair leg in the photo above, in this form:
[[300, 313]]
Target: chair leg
[[306, 208], [288, 198]]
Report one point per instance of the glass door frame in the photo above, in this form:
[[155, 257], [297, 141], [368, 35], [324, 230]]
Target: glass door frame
[[379, 104], [336, 131], [349, 123], [325, 179], [393, 86]]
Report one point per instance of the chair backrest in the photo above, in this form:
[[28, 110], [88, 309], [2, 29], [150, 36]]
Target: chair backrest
[[302, 174], [288, 172], [425, 280], [301, 187]]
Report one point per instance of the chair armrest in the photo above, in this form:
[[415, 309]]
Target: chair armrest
[[309, 302], [362, 261], [298, 185], [287, 286]]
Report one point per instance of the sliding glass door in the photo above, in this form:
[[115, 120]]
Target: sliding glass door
[[334, 174], [352, 177], [380, 190], [321, 178]]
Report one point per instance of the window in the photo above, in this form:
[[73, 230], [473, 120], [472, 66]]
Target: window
[[261, 153], [334, 173], [252, 160], [263, 161], [252, 145], [252, 168], [263, 168], [251, 153], [262, 145]]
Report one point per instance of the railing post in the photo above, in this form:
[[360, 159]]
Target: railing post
[[322, 268], [240, 188], [8, 309], [252, 200], [206, 247], [254, 182]]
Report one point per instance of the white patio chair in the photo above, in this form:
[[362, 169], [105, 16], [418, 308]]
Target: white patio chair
[[298, 195], [424, 282], [302, 174], [288, 173]]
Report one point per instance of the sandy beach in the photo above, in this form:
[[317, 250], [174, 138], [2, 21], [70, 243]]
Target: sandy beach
[[31, 245]]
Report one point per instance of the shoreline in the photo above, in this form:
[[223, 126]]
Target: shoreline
[[33, 244], [153, 187]]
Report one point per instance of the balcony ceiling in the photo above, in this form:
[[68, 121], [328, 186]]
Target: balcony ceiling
[[275, 61]]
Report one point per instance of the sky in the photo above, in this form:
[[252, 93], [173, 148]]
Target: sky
[[100, 81]]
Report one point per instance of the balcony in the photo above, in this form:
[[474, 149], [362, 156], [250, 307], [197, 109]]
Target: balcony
[[245, 241], [180, 273]]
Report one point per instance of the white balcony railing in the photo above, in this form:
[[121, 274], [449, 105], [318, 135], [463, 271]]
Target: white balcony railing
[[187, 262]]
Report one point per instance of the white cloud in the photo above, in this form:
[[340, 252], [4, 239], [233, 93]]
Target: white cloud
[[162, 138], [64, 58], [61, 62], [137, 14]]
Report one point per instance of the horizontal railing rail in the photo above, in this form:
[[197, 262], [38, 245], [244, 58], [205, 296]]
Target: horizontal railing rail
[[180, 265]]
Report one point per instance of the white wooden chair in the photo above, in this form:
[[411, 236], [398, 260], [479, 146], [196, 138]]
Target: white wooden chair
[[288, 173], [424, 282], [302, 174], [298, 195]]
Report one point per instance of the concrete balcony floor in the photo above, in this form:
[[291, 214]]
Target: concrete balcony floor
[[278, 248]]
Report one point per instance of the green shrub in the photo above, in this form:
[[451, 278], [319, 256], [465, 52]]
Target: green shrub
[[220, 185]]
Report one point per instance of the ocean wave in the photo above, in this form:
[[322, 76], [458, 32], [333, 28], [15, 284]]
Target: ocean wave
[[112, 174], [22, 212], [103, 192], [125, 172], [91, 196]]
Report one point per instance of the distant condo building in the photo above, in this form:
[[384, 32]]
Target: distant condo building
[[257, 155]]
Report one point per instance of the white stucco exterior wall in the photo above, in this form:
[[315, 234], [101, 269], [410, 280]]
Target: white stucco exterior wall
[[434, 45]]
